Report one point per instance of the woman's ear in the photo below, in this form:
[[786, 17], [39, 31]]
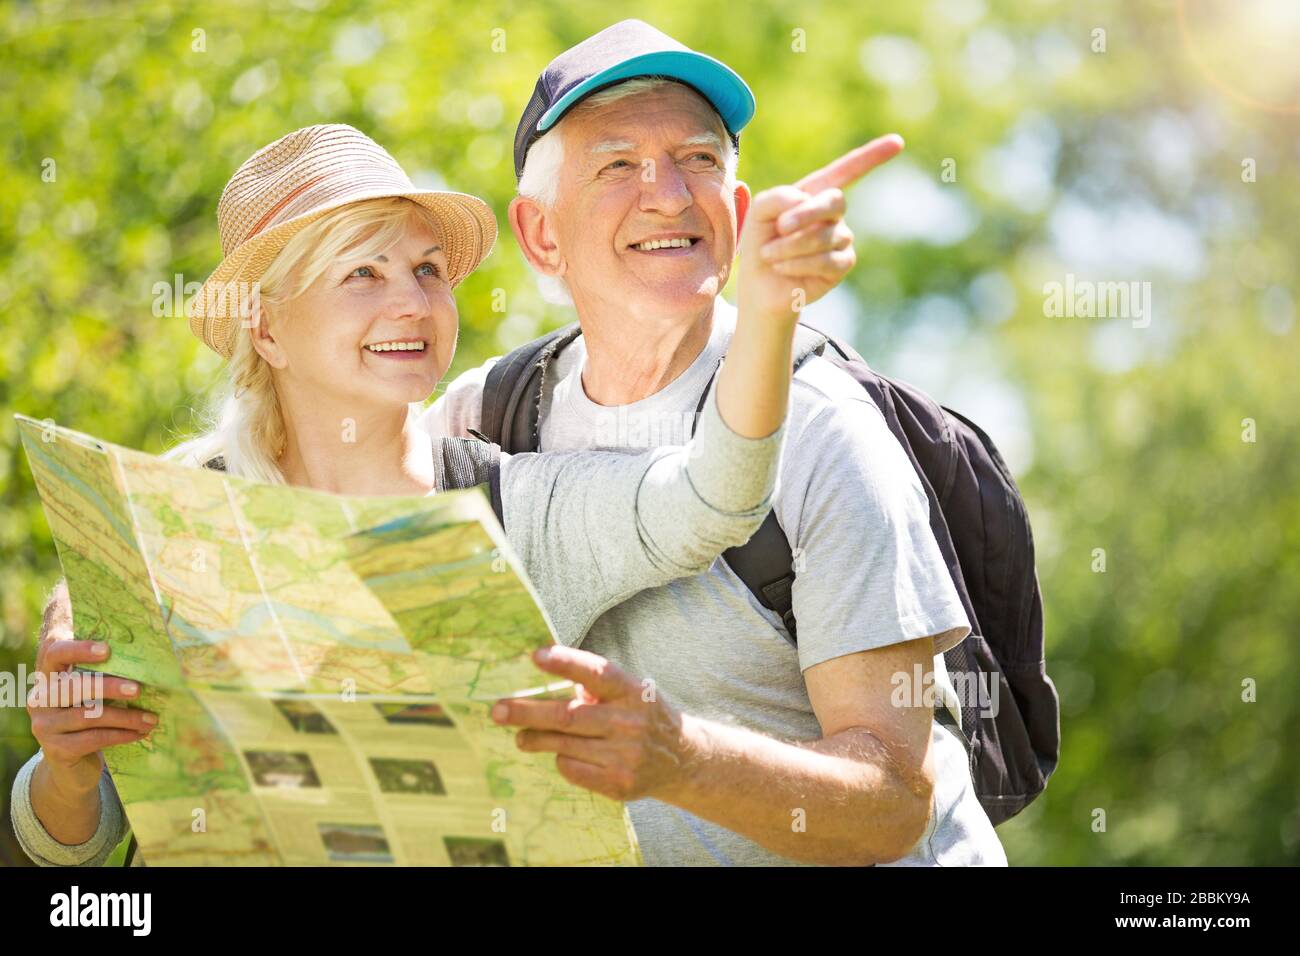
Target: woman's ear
[[259, 332], [533, 233]]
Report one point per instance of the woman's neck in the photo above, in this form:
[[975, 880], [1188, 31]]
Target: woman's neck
[[381, 453]]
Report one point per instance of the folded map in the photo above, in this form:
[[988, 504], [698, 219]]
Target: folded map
[[322, 667]]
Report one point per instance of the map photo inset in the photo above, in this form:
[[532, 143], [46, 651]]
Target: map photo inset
[[275, 768], [407, 776], [304, 717], [431, 714], [476, 851], [355, 843]]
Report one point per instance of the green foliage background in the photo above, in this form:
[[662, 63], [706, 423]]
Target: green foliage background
[[1131, 438]]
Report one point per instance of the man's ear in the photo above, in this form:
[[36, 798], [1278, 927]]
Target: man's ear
[[259, 331], [742, 198], [533, 233]]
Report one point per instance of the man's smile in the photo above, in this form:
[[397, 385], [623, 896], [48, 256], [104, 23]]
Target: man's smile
[[667, 244]]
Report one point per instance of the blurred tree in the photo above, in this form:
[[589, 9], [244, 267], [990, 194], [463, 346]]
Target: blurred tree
[[1045, 140]]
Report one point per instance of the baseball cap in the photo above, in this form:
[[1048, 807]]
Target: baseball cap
[[625, 50]]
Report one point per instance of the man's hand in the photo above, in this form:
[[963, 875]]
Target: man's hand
[[617, 737], [795, 245], [865, 787]]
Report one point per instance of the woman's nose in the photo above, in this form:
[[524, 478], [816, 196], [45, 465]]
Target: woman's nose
[[411, 300]]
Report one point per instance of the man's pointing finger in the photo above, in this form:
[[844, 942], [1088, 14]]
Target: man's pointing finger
[[853, 165]]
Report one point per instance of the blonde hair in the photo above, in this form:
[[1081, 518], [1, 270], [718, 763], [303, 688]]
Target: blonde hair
[[244, 425], [540, 179]]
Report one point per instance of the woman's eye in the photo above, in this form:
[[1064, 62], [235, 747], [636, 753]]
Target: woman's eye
[[369, 273], [433, 269]]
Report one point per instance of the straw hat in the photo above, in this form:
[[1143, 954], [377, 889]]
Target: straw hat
[[286, 186]]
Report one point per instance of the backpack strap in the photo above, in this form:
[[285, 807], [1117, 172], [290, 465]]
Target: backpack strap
[[807, 342], [512, 392], [765, 563], [468, 463]]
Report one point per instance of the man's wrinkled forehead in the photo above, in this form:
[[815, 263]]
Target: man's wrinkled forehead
[[604, 147], [676, 114]]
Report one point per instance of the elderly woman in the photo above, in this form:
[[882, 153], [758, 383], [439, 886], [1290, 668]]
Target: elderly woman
[[351, 326]]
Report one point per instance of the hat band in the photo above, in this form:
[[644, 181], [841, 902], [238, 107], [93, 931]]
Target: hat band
[[276, 209]]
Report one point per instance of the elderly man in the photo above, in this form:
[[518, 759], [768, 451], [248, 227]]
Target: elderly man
[[732, 744]]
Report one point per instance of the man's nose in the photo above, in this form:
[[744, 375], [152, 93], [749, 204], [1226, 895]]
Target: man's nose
[[663, 188]]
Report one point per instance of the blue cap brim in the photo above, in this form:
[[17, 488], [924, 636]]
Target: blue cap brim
[[716, 81]]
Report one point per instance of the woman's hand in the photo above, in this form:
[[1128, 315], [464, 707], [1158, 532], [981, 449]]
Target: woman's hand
[[71, 722]]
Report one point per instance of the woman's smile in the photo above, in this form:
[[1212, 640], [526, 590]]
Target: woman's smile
[[402, 350]]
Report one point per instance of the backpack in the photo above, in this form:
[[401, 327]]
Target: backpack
[[978, 519]]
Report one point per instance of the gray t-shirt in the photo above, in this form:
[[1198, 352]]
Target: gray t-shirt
[[868, 574], [592, 529]]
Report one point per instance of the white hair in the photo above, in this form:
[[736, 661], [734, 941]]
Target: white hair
[[540, 180]]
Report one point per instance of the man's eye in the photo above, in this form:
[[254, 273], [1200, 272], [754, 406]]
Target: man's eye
[[618, 163], [707, 157], [433, 269]]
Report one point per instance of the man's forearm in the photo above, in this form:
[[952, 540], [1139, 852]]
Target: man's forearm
[[754, 384], [833, 801]]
